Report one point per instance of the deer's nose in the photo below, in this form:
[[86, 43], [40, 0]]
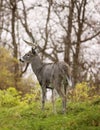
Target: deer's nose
[[21, 60]]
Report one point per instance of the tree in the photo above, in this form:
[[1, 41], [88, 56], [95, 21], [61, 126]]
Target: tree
[[59, 28], [71, 19], [76, 28], [10, 28], [13, 7]]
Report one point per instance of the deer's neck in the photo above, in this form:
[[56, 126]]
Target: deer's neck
[[36, 65]]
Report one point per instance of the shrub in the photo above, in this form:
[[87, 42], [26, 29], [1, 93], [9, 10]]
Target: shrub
[[10, 97], [6, 69], [82, 92]]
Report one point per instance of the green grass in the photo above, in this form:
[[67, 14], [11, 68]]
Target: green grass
[[79, 116]]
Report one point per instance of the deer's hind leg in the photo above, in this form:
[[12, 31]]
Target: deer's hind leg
[[53, 101], [43, 96], [62, 95]]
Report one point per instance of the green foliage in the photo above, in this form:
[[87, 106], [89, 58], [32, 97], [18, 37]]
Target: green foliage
[[80, 116], [19, 112], [83, 92], [9, 97]]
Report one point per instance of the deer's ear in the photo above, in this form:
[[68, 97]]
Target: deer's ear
[[33, 51]]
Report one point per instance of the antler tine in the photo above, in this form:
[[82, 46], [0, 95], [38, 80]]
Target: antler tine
[[31, 44]]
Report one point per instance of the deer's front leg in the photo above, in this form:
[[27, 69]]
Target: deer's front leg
[[43, 97]]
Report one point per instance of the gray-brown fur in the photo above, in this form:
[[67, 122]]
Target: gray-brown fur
[[55, 75]]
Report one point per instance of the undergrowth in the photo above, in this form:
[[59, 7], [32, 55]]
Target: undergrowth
[[17, 113]]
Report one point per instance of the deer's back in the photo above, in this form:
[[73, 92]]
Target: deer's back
[[54, 71]]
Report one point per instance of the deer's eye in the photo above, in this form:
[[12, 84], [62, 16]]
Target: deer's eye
[[28, 55]]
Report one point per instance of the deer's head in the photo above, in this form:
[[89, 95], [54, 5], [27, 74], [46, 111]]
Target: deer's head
[[29, 57]]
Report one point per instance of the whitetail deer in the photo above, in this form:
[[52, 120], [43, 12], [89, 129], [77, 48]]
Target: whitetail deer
[[54, 75]]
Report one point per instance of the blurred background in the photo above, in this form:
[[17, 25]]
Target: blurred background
[[65, 30]]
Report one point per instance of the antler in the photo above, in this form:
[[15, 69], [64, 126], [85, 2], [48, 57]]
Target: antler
[[31, 44]]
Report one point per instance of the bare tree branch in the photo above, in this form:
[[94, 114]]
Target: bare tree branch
[[91, 37]]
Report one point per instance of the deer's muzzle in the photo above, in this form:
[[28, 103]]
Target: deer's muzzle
[[21, 60]]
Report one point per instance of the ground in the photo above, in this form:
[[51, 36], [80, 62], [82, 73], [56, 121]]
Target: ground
[[79, 116]]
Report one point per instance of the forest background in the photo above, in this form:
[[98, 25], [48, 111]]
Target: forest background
[[64, 30]]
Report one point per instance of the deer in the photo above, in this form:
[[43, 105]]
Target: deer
[[50, 75]]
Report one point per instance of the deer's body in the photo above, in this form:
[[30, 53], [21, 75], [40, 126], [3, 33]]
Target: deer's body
[[54, 75]]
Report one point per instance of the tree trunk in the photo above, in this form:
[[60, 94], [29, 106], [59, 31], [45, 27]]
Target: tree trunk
[[68, 37], [68, 42], [15, 49], [80, 20]]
